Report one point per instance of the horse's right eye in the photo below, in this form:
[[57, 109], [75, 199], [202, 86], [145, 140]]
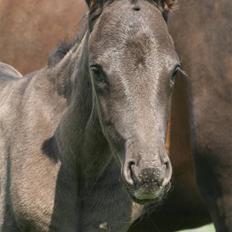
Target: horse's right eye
[[97, 73], [173, 76]]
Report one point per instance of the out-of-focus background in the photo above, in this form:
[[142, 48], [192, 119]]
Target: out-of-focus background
[[31, 29]]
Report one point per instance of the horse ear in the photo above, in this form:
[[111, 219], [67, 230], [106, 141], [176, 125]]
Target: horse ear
[[91, 3], [169, 4]]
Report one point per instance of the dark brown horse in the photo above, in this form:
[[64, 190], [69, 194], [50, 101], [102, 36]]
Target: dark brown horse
[[83, 139], [205, 46]]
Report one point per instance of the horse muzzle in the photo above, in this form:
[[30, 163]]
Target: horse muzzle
[[149, 182]]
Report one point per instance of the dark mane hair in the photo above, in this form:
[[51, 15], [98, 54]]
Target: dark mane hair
[[64, 47]]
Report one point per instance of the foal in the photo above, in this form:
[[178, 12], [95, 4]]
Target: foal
[[84, 139]]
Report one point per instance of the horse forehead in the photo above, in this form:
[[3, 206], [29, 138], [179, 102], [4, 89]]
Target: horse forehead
[[132, 37], [132, 42], [135, 43], [120, 18], [136, 56]]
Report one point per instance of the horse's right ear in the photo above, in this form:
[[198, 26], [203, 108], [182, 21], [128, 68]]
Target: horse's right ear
[[169, 4], [166, 6]]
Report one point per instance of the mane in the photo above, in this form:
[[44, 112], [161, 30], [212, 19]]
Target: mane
[[64, 47]]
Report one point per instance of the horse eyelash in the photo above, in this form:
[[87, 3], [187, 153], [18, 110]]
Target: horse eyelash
[[182, 71]]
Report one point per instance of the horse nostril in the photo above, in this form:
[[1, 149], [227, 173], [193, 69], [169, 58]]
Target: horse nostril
[[130, 172], [168, 172], [130, 165]]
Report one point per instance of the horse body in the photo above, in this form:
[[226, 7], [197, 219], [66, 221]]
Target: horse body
[[13, 97], [205, 48], [38, 193]]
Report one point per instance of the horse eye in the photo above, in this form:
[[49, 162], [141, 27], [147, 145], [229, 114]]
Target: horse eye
[[98, 74], [100, 79], [173, 76]]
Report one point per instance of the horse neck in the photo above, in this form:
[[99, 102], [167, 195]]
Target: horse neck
[[82, 146]]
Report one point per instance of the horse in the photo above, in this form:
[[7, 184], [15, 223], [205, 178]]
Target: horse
[[83, 139], [183, 203], [33, 28], [183, 208], [8, 70], [206, 57]]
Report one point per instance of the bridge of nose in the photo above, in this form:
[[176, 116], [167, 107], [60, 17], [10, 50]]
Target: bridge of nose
[[148, 160]]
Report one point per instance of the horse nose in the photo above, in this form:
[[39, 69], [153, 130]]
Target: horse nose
[[149, 175]]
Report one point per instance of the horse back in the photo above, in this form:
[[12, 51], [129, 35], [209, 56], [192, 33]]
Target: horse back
[[7, 221], [8, 73], [8, 70]]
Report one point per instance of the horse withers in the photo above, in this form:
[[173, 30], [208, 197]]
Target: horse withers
[[83, 139]]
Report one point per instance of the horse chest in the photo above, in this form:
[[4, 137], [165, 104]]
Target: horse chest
[[107, 207]]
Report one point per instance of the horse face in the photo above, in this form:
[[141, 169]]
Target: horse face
[[132, 64]]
